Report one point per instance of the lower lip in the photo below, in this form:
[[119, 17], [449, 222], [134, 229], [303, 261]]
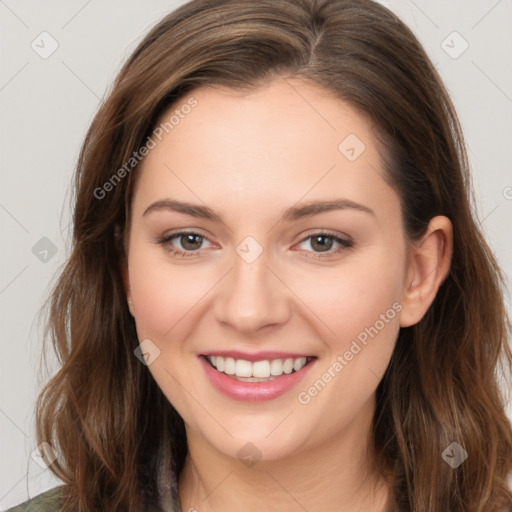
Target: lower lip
[[254, 391]]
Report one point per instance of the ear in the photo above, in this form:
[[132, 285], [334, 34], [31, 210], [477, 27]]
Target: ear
[[126, 282], [428, 266]]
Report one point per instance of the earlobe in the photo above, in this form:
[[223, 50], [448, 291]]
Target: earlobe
[[130, 307], [126, 282], [429, 265]]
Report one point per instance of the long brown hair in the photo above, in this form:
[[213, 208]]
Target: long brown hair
[[103, 412]]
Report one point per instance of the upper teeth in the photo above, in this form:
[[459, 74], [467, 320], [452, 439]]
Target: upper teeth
[[260, 369]]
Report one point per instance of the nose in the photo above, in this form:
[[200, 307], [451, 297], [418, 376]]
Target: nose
[[252, 297]]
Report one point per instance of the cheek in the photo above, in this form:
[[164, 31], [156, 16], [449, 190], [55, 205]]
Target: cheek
[[362, 308], [354, 297], [162, 293]]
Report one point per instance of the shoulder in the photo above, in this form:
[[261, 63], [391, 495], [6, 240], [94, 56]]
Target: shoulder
[[49, 501]]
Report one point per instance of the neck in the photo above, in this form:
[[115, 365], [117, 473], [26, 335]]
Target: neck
[[336, 475]]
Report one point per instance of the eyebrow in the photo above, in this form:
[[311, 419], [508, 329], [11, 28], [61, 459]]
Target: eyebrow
[[294, 213]]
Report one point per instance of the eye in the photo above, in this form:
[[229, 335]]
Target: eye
[[322, 244], [190, 242]]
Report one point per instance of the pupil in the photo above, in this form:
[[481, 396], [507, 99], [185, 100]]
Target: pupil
[[320, 242], [194, 240]]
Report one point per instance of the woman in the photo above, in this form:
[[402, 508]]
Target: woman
[[278, 296]]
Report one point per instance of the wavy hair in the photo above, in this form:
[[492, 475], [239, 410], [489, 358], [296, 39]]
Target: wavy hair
[[104, 413]]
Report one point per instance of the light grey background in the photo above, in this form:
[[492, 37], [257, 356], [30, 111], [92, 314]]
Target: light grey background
[[46, 105]]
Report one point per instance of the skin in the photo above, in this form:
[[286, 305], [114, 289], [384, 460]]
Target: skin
[[249, 157]]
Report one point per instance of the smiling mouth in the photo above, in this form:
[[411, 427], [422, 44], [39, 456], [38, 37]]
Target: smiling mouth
[[258, 371]]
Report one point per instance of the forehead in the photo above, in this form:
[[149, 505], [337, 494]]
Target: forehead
[[273, 146]]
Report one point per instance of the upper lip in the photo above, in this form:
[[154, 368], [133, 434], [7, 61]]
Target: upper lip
[[257, 356]]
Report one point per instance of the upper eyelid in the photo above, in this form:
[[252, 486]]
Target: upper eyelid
[[167, 238], [327, 232], [172, 235]]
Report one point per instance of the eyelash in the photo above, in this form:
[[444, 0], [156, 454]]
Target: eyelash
[[345, 244]]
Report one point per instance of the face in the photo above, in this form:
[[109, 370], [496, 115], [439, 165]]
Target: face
[[265, 242]]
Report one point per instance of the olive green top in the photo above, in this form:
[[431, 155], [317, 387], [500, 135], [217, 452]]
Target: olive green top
[[52, 500], [49, 501]]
